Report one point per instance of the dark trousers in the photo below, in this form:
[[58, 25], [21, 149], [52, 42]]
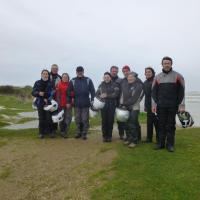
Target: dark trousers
[[152, 121], [54, 125], [132, 129], [107, 116], [45, 121], [65, 124], [82, 120], [167, 122], [121, 128]]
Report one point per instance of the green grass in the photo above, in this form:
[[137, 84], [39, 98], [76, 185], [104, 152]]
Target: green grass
[[143, 117], [9, 102], [14, 102], [143, 173], [33, 133]]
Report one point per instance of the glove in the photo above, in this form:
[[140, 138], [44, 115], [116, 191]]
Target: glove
[[122, 106], [91, 103]]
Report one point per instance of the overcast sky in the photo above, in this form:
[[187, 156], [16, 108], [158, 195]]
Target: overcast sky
[[97, 34]]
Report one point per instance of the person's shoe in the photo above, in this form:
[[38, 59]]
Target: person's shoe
[[148, 141], [126, 142], [132, 145], [158, 147], [78, 136], [64, 135], [52, 134], [84, 137], [41, 136], [109, 140], [121, 137], [170, 148], [104, 140]]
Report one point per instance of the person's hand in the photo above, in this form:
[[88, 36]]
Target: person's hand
[[181, 109], [46, 101], [145, 110], [154, 109], [68, 105], [122, 106], [103, 95], [41, 94]]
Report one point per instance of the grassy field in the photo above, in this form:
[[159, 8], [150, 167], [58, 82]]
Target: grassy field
[[92, 169], [147, 174], [10, 106]]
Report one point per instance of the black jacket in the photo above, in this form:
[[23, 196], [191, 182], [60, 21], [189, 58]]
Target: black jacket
[[83, 90], [42, 86], [147, 93], [131, 94], [111, 89], [54, 78], [168, 89]]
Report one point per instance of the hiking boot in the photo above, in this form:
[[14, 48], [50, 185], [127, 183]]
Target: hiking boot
[[64, 135], [104, 140], [148, 141], [170, 148], [77, 135], [84, 137], [158, 147], [132, 145], [121, 137], [52, 135], [126, 142]]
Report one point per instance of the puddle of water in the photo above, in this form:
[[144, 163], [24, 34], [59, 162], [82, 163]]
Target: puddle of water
[[28, 114], [27, 125]]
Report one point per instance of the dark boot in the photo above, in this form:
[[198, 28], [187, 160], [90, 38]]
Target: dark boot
[[170, 148], [159, 147], [84, 136]]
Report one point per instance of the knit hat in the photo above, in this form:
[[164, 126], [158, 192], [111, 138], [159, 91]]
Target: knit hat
[[126, 67]]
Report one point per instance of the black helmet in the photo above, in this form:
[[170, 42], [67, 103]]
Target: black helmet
[[185, 119]]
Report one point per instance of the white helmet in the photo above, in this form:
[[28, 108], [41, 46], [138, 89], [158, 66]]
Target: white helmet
[[122, 115], [34, 106], [92, 113], [98, 104], [59, 117], [52, 107]]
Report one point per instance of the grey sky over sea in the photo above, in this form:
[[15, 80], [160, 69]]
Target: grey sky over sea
[[97, 34]]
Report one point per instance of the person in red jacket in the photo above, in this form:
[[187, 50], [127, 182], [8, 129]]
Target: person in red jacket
[[61, 96]]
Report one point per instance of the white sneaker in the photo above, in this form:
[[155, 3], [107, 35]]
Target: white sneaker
[[126, 142], [131, 145]]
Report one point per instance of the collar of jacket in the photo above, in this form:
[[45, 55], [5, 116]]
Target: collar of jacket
[[115, 78], [80, 78], [150, 79], [166, 72]]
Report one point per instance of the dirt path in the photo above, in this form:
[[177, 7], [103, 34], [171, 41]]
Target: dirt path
[[53, 169]]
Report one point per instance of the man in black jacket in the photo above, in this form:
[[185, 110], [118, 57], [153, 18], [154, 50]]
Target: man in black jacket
[[84, 93], [152, 120], [168, 91]]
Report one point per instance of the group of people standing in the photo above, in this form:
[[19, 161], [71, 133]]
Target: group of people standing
[[164, 97]]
